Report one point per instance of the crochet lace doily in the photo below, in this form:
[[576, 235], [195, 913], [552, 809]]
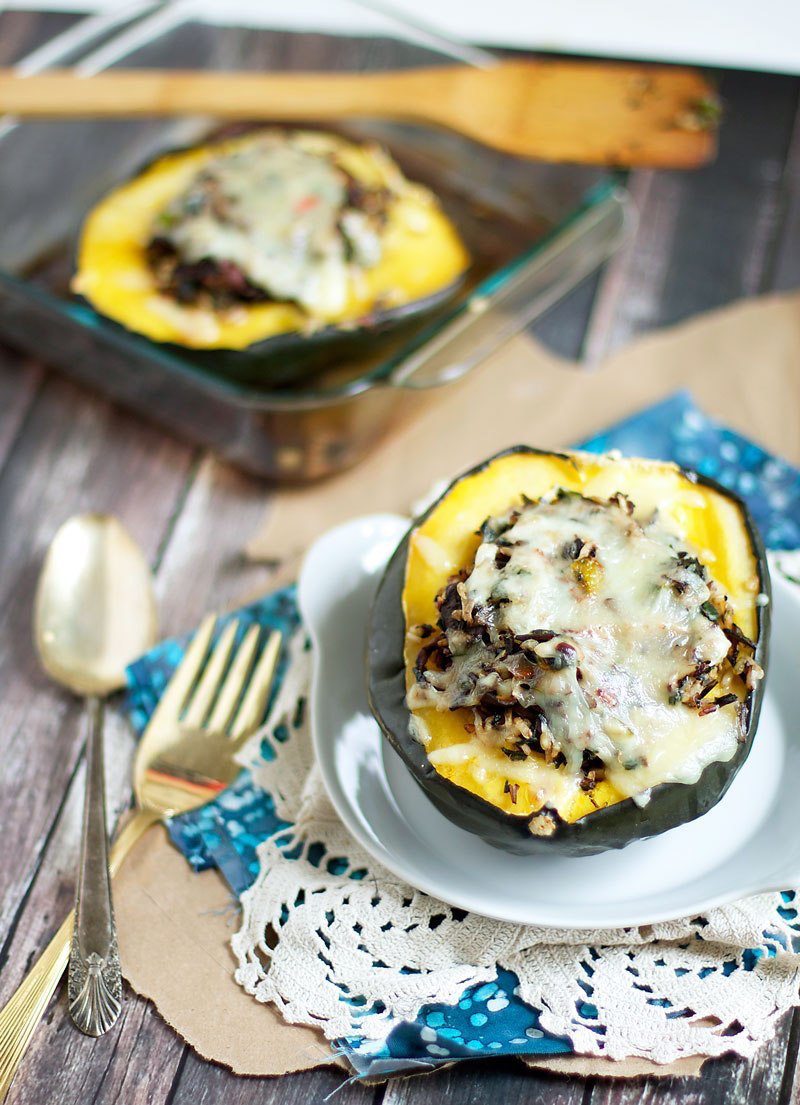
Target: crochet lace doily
[[336, 941]]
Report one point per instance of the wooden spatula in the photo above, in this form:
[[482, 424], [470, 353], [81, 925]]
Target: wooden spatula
[[593, 112]]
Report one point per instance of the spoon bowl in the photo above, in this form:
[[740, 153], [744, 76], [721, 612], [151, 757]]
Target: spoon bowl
[[95, 610]]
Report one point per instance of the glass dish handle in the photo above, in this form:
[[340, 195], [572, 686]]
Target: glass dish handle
[[494, 314]]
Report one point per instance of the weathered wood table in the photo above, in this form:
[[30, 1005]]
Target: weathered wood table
[[704, 239]]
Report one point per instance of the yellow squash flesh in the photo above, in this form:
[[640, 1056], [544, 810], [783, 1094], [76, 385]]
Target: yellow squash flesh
[[422, 255], [447, 540]]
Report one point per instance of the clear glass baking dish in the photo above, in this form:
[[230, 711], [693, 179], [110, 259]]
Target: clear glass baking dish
[[533, 231]]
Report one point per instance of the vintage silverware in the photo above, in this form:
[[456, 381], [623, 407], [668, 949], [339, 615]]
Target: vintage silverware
[[213, 702], [95, 612]]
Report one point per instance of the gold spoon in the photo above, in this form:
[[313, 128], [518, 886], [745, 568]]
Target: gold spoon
[[95, 613]]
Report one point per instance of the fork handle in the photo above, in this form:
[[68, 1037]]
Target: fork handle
[[26, 1007]]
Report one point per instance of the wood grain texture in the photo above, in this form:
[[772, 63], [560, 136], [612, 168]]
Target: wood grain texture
[[728, 230], [19, 382], [218, 512], [20, 378], [784, 272], [500, 1080], [21, 32], [555, 109], [730, 1080], [201, 1084], [705, 238], [75, 453]]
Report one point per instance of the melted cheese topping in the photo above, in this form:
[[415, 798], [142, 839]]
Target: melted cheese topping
[[623, 616], [278, 209]]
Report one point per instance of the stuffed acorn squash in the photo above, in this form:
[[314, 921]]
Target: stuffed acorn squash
[[568, 650], [269, 252]]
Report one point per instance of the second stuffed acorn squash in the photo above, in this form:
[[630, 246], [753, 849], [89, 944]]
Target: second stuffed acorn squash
[[567, 650], [269, 252]]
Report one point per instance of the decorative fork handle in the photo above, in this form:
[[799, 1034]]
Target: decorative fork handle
[[26, 1007]]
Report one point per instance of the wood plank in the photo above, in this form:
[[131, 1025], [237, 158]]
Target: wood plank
[[134, 1064], [563, 327], [50, 895], [201, 1083], [21, 31], [790, 1092], [204, 566], [704, 238], [74, 453], [784, 271], [730, 1079], [632, 286], [61, 1064], [501, 1080], [19, 382]]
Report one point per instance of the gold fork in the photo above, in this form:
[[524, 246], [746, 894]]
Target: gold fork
[[214, 700]]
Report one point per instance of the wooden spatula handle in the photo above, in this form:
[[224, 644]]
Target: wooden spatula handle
[[61, 94], [592, 112]]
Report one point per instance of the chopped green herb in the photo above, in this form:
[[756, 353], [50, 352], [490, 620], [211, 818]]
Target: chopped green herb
[[709, 610], [499, 594], [491, 529], [692, 564]]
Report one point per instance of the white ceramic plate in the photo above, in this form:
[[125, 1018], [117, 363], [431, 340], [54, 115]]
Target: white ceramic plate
[[748, 843]]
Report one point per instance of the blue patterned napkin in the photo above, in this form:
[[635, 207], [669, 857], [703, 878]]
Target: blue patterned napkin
[[490, 1019], [676, 430]]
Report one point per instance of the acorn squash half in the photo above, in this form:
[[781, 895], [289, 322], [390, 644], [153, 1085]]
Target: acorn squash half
[[421, 265], [474, 793]]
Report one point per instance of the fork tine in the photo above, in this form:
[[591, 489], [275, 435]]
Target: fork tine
[[235, 680], [200, 703], [255, 698], [171, 702]]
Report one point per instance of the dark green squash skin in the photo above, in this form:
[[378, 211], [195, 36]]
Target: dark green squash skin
[[293, 358], [616, 826], [289, 358]]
